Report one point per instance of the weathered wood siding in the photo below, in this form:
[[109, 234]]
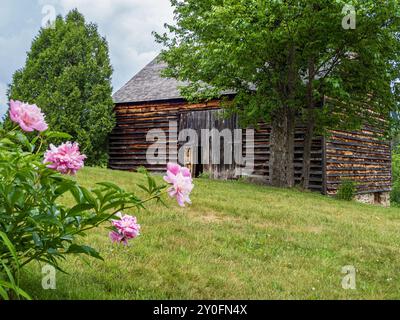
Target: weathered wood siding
[[128, 145], [360, 156], [127, 142], [211, 119], [363, 157], [317, 160], [262, 152]]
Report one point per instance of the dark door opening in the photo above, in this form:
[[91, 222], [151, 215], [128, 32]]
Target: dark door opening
[[193, 160], [377, 198], [199, 168]]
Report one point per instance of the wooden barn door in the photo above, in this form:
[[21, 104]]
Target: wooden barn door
[[209, 119]]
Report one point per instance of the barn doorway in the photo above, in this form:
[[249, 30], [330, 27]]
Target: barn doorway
[[193, 160], [199, 170], [378, 198], [208, 120]]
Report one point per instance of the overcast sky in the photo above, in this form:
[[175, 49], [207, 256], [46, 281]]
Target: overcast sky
[[127, 25]]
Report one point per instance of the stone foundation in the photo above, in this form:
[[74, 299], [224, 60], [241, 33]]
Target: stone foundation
[[379, 198]]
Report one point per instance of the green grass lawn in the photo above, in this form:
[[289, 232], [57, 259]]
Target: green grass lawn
[[237, 241]]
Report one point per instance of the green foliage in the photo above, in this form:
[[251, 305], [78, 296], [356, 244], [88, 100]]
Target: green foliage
[[34, 226], [347, 190], [68, 73], [396, 165], [395, 195], [285, 53], [204, 175], [9, 284]]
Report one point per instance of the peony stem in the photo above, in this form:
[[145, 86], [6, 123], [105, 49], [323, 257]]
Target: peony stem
[[40, 145], [115, 212]]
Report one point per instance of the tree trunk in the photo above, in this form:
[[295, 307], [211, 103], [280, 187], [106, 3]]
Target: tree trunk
[[282, 148], [281, 165]]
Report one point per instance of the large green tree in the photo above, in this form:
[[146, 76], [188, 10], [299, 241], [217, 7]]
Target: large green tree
[[282, 58], [68, 74]]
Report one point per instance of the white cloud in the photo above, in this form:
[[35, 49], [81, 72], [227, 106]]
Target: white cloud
[[3, 93], [3, 100], [127, 25], [19, 22]]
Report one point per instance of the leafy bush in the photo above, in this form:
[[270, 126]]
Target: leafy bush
[[395, 195], [347, 190], [9, 286], [396, 165], [204, 175], [34, 226]]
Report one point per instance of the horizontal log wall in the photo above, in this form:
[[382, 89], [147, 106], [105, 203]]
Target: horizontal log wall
[[360, 156], [262, 152], [363, 157], [128, 145], [127, 142]]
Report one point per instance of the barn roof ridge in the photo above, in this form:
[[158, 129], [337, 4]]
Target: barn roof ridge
[[148, 85]]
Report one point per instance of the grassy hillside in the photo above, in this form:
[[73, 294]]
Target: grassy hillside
[[240, 241]]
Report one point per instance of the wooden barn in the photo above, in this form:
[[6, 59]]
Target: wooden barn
[[149, 102]]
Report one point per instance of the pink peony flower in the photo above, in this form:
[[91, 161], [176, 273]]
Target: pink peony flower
[[182, 183], [65, 159], [29, 117], [126, 229], [115, 237]]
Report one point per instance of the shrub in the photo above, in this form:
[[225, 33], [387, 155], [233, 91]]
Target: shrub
[[395, 195], [347, 190], [396, 165], [34, 226]]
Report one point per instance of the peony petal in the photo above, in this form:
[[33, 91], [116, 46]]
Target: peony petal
[[181, 200], [173, 168], [29, 117], [186, 172]]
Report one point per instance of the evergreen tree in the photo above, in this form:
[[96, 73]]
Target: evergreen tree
[[68, 75]]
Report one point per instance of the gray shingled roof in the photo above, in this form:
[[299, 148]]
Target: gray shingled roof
[[148, 85]]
